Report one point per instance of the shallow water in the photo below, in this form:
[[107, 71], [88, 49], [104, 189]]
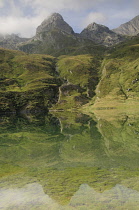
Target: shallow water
[[69, 161]]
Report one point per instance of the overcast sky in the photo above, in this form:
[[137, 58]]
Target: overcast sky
[[23, 16]]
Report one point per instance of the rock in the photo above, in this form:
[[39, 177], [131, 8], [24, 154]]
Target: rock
[[67, 89]]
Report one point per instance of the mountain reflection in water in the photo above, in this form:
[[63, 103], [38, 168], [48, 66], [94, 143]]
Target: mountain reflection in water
[[32, 196], [69, 161]]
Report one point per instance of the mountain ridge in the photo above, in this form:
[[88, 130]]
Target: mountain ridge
[[130, 28], [56, 37], [54, 34]]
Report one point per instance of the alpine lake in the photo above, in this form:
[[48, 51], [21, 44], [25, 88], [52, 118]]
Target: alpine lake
[[64, 161]]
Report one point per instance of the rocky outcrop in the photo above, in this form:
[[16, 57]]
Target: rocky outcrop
[[130, 28], [101, 34]]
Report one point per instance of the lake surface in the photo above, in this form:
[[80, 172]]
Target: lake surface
[[69, 161]]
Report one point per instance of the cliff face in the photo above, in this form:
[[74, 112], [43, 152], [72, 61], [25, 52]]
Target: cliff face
[[130, 28]]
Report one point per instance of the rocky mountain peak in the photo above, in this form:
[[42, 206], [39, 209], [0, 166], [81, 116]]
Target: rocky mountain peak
[[130, 28], [101, 34], [54, 21], [96, 27]]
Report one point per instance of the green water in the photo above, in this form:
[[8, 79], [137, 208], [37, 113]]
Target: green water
[[69, 161]]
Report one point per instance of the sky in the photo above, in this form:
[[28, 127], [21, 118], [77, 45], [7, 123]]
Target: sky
[[23, 16]]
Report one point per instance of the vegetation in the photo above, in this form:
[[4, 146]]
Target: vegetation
[[27, 82], [36, 82], [118, 85], [80, 75]]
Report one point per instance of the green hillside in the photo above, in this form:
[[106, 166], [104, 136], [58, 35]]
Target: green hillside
[[119, 76], [27, 82], [80, 75], [35, 82]]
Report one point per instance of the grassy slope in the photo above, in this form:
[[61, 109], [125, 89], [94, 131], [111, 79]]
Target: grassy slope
[[80, 77], [120, 77], [22, 74], [26, 80]]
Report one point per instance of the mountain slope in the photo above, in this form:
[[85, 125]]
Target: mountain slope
[[130, 28], [80, 75], [28, 83], [120, 76]]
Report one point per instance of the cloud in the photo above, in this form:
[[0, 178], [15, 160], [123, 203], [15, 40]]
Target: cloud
[[17, 20], [94, 17], [25, 27], [60, 4], [1, 3]]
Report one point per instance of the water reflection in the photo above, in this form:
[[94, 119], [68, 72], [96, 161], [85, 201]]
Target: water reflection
[[69, 161], [31, 196], [119, 197]]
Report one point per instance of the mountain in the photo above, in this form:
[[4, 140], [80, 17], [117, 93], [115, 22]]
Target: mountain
[[55, 21], [54, 36], [101, 34], [130, 28], [11, 41]]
